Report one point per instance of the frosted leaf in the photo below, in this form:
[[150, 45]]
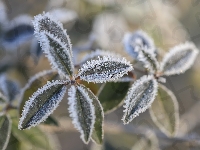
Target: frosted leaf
[[179, 59], [34, 83], [45, 23], [9, 88], [42, 103], [57, 54], [133, 42], [5, 131], [97, 134], [64, 15], [148, 58], [17, 32], [139, 98], [104, 69], [81, 111], [96, 54], [165, 111]]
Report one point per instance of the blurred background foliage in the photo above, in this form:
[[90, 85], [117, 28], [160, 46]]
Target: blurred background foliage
[[102, 24]]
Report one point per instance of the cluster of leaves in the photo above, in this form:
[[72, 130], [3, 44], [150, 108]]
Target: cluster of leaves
[[146, 90], [84, 107]]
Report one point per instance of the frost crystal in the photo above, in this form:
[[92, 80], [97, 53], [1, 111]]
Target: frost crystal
[[96, 54], [139, 98], [179, 59], [42, 103], [133, 42], [107, 68], [81, 111], [148, 58], [47, 24]]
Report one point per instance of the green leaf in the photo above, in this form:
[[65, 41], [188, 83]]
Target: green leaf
[[42, 103], [149, 141], [33, 138], [34, 84], [51, 121], [97, 134], [111, 95], [5, 130], [164, 111], [81, 111]]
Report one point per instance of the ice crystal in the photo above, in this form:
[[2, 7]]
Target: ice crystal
[[133, 42], [81, 111], [42, 103], [139, 97], [179, 59], [107, 68]]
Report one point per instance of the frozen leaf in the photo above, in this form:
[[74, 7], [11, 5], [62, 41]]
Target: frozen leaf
[[58, 55], [34, 84], [149, 141], [97, 134], [82, 111], [64, 15], [139, 98], [5, 130], [8, 88], [45, 23], [179, 59], [133, 42], [148, 58], [17, 32], [42, 103], [164, 111], [111, 95], [104, 69]]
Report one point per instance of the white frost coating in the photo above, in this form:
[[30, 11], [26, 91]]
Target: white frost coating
[[179, 59], [36, 23], [137, 95], [64, 15], [134, 41], [107, 68], [148, 58], [97, 53], [3, 87], [44, 42], [74, 114], [31, 101], [176, 114]]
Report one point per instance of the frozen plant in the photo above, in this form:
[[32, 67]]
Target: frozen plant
[[145, 90], [84, 107]]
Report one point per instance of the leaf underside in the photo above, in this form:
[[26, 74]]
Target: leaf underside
[[42, 103], [139, 98], [34, 84], [5, 130], [111, 95], [82, 112], [164, 111], [97, 134]]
